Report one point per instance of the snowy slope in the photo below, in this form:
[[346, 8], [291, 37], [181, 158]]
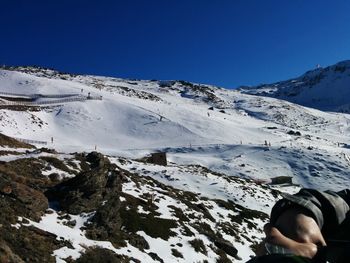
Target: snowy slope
[[243, 140], [138, 117], [322, 88]]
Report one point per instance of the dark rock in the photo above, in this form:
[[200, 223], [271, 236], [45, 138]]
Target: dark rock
[[201, 207], [7, 255], [25, 171], [106, 224], [48, 150], [97, 254], [139, 242], [107, 221], [86, 191], [27, 244], [96, 160], [227, 247], [154, 256], [176, 253], [33, 199], [282, 180], [291, 132], [20, 199], [71, 223]]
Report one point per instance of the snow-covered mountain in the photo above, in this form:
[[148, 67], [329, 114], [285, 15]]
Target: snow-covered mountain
[[194, 123], [223, 147], [322, 88]]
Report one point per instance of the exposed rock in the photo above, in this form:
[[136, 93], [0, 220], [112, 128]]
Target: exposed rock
[[227, 247], [116, 216], [97, 254], [86, 191], [7, 255], [282, 180], [176, 253], [26, 171], [27, 244], [106, 222], [33, 199], [21, 199], [97, 160], [295, 133], [139, 242], [155, 257]]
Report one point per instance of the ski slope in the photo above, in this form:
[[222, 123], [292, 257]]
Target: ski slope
[[135, 118]]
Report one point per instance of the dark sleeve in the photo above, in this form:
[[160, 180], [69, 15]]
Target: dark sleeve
[[345, 194], [328, 208]]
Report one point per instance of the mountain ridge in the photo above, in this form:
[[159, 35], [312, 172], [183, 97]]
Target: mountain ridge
[[322, 88]]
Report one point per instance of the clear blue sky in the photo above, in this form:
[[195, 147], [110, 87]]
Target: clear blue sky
[[224, 42]]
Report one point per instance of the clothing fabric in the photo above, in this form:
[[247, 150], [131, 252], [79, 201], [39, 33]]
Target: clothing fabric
[[331, 211]]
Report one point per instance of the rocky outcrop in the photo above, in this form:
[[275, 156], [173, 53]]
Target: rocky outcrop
[[20, 199], [27, 244], [7, 255], [32, 199], [121, 217], [106, 222], [21, 196], [86, 191]]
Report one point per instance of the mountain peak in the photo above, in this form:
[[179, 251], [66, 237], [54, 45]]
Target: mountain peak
[[321, 88]]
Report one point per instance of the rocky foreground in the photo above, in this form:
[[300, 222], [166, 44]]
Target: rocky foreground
[[86, 208]]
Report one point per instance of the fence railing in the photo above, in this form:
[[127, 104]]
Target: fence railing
[[47, 102], [15, 94], [55, 95], [31, 141], [35, 96]]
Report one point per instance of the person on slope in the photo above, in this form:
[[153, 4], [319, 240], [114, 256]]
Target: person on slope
[[310, 226]]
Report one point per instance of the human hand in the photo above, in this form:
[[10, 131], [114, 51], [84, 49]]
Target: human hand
[[275, 237]]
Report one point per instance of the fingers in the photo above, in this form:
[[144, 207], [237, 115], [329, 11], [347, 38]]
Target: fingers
[[271, 232], [307, 250], [275, 237]]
